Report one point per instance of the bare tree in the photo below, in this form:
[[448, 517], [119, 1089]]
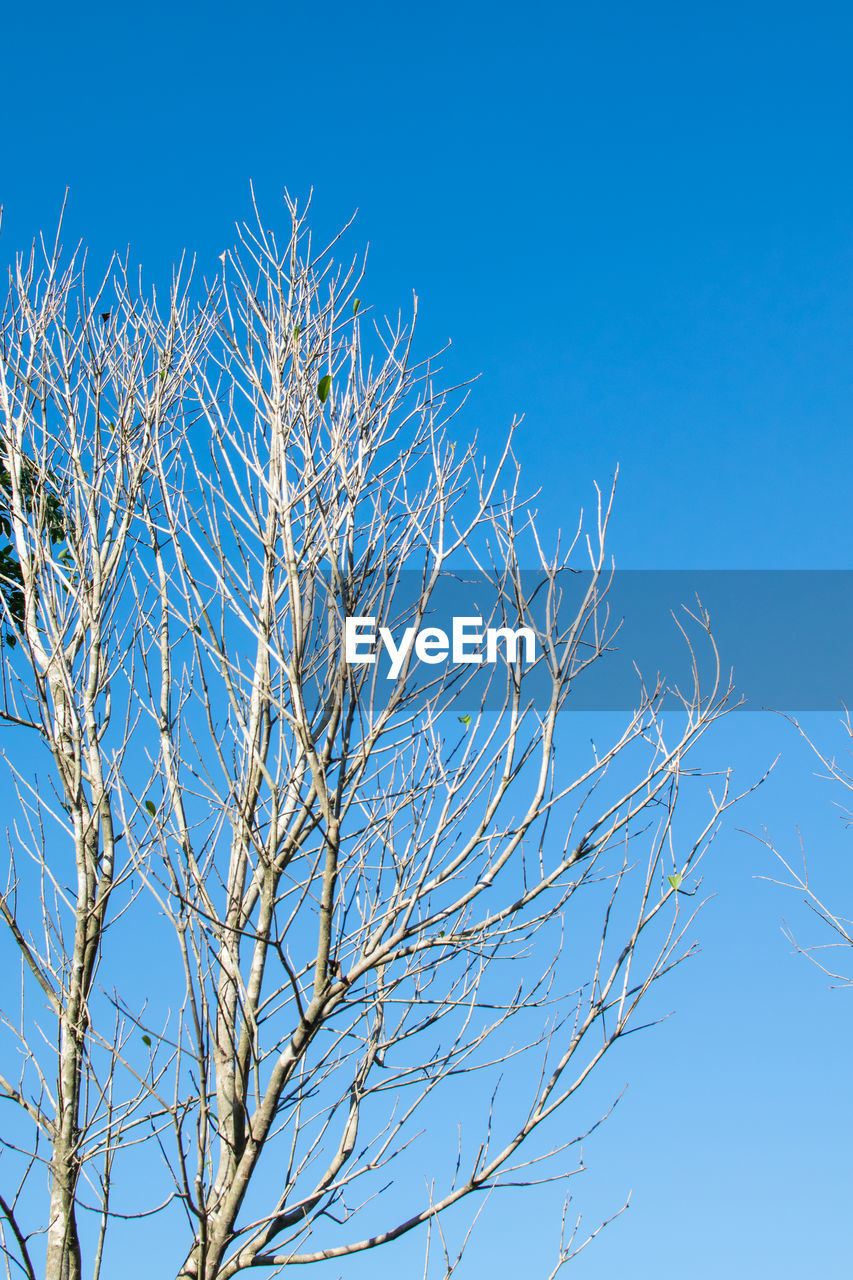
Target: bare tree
[[268, 907]]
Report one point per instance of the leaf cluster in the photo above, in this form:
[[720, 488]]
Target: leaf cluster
[[38, 493]]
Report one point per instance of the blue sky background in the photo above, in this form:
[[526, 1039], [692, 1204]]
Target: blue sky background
[[635, 223]]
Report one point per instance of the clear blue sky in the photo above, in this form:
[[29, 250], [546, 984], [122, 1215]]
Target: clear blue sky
[[636, 222]]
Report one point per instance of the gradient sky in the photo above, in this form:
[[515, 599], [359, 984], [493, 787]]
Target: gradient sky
[[634, 221]]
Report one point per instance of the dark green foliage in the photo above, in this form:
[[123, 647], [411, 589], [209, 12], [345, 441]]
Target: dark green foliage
[[39, 501]]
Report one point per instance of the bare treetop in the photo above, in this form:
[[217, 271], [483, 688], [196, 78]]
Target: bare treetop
[[350, 891]]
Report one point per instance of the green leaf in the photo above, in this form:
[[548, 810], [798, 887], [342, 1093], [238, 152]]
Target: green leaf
[[146, 1040], [675, 880], [466, 720], [355, 306], [39, 492], [297, 329], [151, 807], [323, 388]]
